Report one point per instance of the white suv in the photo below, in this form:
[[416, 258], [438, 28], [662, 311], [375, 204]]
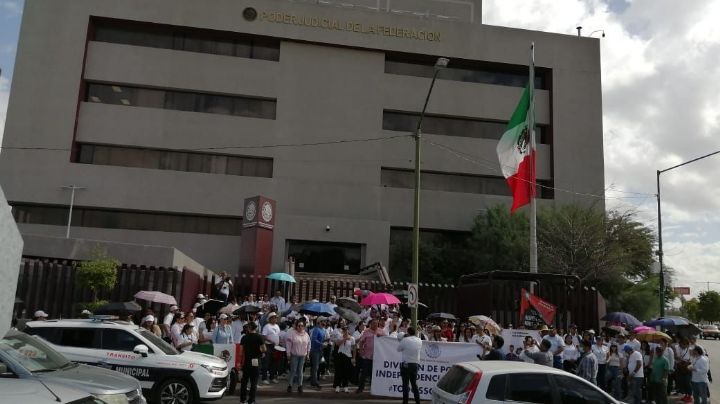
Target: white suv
[[500, 381], [168, 375]]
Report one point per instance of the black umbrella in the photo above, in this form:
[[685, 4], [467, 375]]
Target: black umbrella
[[688, 330], [247, 309], [443, 316], [119, 308], [349, 303], [212, 306], [347, 314]]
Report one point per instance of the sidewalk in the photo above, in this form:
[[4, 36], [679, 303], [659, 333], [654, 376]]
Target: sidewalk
[[325, 392]]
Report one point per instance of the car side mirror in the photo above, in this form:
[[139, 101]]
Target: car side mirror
[[4, 372], [141, 350]]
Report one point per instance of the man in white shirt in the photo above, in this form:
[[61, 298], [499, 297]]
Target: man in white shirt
[[557, 345], [224, 287], [410, 346], [278, 301], [167, 320], [633, 341], [271, 337], [700, 367], [636, 376]]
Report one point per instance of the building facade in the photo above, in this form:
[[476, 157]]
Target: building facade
[[168, 114]]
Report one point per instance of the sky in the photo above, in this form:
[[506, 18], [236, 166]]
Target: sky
[[661, 107]]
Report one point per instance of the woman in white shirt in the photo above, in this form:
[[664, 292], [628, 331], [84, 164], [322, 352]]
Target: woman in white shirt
[[614, 376], [468, 334], [600, 351], [570, 354], [187, 338], [343, 360]]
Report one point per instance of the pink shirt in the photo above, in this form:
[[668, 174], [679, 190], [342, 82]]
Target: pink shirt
[[297, 344], [367, 343]]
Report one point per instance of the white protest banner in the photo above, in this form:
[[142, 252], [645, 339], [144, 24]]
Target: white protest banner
[[435, 360], [516, 337]]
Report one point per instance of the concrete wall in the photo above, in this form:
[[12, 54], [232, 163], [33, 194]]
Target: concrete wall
[[329, 85], [11, 246]]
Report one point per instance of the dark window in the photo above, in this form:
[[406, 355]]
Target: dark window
[[574, 391], [465, 70], [51, 335], [131, 220], [181, 100], [79, 337], [186, 39], [175, 160], [119, 340], [456, 380], [453, 126], [448, 182], [496, 388], [529, 388], [316, 256]]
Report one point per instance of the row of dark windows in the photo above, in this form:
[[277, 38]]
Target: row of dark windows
[[181, 100], [451, 182], [454, 126], [186, 39], [127, 219], [465, 70], [175, 160]]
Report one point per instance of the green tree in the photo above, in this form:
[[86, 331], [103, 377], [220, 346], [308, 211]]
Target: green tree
[[499, 241], [690, 309], [98, 273], [709, 306]]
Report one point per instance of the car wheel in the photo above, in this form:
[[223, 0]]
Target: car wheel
[[174, 391]]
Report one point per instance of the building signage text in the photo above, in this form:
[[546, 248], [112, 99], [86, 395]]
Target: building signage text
[[349, 26]]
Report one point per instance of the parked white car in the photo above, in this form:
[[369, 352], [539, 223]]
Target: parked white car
[[520, 382], [38, 392], [166, 374]]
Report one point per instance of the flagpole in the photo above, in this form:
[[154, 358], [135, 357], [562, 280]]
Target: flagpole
[[531, 128]]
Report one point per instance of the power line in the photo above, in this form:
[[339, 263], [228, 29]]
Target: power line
[[244, 147], [494, 168]]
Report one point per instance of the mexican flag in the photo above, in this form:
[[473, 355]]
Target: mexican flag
[[517, 155]]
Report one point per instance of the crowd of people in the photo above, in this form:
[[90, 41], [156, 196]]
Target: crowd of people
[[279, 340]]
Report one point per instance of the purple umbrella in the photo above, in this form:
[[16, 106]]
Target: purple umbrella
[[620, 317], [156, 297]]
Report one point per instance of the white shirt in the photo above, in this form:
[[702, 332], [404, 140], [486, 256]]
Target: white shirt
[[175, 332], [345, 348], [600, 352], [278, 301], [700, 365], [187, 338], [531, 349], [225, 288], [635, 344], [670, 356], [272, 332], [237, 329], [167, 320], [570, 353], [632, 362], [410, 347]]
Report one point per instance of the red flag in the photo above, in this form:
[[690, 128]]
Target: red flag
[[534, 310]]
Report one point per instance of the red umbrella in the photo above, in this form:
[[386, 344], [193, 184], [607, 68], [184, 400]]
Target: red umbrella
[[380, 298], [643, 328]]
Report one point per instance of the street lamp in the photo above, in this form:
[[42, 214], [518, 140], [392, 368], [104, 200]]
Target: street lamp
[[72, 189], [439, 65], [660, 248]]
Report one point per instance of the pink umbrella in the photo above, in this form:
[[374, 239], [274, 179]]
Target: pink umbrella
[[156, 297], [643, 328], [380, 298]]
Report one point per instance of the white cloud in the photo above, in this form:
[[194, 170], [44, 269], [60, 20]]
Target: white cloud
[[661, 107]]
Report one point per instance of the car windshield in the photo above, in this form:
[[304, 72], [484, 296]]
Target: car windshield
[[33, 354], [158, 342]]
